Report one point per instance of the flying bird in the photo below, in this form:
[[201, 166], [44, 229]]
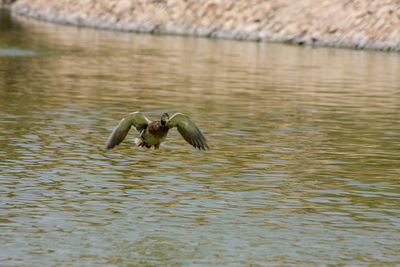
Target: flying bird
[[153, 133]]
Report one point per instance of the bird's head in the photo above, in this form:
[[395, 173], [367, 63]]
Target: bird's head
[[164, 118]]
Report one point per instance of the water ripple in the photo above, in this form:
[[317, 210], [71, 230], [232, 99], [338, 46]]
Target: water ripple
[[303, 161]]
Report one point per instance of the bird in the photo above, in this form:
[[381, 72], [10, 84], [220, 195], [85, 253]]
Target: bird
[[153, 133]]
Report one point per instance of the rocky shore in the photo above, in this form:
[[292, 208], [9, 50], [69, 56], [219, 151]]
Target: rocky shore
[[372, 24]]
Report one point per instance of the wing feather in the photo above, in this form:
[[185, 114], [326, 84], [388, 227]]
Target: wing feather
[[137, 119], [189, 131]]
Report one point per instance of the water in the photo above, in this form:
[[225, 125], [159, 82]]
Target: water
[[303, 167]]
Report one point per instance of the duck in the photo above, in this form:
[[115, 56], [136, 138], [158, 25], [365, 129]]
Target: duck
[[153, 133]]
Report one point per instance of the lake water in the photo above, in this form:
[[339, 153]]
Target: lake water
[[303, 169]]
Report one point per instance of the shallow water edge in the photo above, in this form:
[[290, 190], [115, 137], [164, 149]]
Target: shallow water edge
[[369, 25]]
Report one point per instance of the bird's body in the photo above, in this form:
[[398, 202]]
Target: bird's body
[[153, 133]]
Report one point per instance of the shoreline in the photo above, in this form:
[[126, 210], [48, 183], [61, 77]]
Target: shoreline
[[345, 24]]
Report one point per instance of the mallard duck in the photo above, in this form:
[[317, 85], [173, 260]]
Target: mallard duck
[[153, 133]]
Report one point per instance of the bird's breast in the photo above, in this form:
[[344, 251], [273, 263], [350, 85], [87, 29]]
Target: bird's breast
[[155, 133], [157, 129]]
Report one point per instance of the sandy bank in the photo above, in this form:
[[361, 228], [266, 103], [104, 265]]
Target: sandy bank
[[372, 24]]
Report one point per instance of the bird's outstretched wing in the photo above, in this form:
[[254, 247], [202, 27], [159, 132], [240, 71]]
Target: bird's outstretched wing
[[137, 119], [189, 131]]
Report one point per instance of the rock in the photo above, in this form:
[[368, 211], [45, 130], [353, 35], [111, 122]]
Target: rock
[[342, 23]]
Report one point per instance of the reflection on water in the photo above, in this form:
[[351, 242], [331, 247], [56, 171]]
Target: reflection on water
[[303, 166], [15, 52]]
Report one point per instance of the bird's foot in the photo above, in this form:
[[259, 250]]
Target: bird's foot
[[157, 146], [140, 143]]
